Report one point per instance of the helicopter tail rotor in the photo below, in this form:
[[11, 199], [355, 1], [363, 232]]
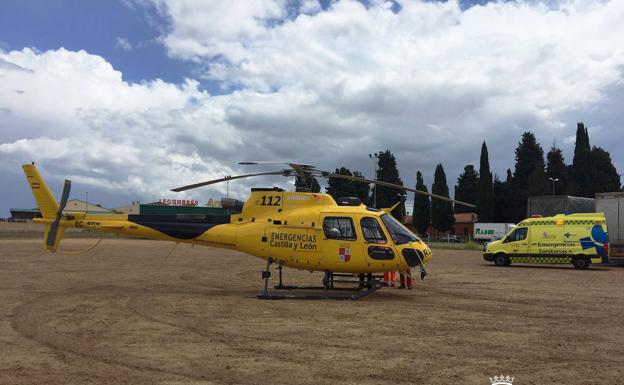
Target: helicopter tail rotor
[[51, 239]]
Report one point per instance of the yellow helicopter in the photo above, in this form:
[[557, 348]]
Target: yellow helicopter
[[346, 240]]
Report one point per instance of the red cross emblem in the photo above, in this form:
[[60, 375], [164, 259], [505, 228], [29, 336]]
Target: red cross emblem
[[345, 254]]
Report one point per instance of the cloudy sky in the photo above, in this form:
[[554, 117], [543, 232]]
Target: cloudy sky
[[131, 98]]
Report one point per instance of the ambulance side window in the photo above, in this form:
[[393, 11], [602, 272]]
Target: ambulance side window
[[339, 228], [518, 234]]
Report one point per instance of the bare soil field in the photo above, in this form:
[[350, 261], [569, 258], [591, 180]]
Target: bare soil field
[[125, 314]]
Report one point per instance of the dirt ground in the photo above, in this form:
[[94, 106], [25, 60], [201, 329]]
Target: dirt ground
[[123, 314]]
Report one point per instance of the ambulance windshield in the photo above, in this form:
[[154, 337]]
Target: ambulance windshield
[[399, 233]]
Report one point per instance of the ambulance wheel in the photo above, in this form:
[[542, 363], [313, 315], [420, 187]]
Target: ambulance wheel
[[581, 263], [501, 260]]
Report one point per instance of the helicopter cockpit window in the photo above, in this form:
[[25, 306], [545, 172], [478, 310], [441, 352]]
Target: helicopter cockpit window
[[372, 230], [398, 232], [338, 228]]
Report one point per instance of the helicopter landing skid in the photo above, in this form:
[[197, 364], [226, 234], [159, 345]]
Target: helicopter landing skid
[[363, 287]]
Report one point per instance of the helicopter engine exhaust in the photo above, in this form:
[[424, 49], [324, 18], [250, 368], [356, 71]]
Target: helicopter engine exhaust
[[232, 204]]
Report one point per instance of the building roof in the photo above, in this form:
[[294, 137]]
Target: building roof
[[466, 218], [80, 205], [24, 210]]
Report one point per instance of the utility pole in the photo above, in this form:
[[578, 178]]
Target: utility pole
[[375, 158]]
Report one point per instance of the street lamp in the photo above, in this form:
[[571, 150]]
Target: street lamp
[[553, 184], [375, 158]]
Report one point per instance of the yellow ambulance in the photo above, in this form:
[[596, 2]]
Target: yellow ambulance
[[580, 239]]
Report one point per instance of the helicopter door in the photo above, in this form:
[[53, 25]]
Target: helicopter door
[[340, 243], [380, 252]]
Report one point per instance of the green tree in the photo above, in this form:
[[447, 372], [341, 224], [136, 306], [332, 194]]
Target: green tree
[[581, 164], [485, 196], [442, 217], [362, 190], [387, 172], [529, 176], [467, 188], [503, 212], [337, 187], [529, 156], [421, 216], [556, 169], [537, 181], [307, 183], [315, 187], [604, 176]]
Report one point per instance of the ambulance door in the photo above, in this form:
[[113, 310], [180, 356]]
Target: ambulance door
[[518, 241]]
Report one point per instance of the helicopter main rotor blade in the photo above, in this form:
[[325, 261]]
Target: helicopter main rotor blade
[[228, 178], [395, 186], [293, 165]]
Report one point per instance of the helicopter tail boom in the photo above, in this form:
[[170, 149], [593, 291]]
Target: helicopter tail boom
[[43, 196]]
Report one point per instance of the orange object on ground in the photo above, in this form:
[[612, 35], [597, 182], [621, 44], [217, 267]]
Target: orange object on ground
[[390, 277]]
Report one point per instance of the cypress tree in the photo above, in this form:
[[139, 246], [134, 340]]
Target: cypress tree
[[581, 164], [466, 188], [421, 216], [387, 172], [485, 197], [442, 217]]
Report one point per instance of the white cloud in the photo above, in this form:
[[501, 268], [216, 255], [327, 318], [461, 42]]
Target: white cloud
[[123, 44], [210, 28], [77, 116], [485, 73], [310, 7], [430, 82]]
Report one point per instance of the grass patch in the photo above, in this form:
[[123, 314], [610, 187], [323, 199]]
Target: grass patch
[[471, 245]]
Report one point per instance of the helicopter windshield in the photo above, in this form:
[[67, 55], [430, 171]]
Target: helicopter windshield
[[399, 233]]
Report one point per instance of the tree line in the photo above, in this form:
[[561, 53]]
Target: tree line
[[496, 200]]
